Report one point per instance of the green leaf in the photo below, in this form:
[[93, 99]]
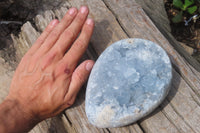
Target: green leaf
[[178, 18], [192, 9], [188, 3], [178, 3]]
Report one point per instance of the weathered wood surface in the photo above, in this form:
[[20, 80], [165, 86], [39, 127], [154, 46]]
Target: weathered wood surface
[[115, 20], [156, 11], [135, 22]]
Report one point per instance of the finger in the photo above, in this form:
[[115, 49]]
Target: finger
[[79, 77], [71, 33], [54, 35], [43, 36], [80, 45]]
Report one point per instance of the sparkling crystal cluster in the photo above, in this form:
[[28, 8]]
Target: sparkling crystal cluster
[[128, 81]]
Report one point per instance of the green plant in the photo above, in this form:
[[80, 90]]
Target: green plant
[[189, 6]]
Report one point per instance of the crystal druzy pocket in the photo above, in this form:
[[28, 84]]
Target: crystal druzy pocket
[[128, 81]]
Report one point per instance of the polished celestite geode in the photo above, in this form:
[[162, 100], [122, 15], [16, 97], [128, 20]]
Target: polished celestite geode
[[128, 81]]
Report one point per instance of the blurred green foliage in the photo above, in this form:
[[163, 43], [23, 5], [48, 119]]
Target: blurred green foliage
[[185, 6]]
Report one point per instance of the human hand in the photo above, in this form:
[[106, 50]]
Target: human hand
[[47, 80]]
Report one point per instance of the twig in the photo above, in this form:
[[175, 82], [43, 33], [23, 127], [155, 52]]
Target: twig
[[194, 18], [11, 22]]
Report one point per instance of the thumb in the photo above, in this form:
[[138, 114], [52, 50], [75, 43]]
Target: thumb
[[79, 77]]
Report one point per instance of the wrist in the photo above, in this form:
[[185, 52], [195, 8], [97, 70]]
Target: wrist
[[12, 115]]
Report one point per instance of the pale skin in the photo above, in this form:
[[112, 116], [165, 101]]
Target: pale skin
[[47, 80]]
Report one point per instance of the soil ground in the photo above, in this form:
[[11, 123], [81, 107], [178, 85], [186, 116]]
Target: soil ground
[[188, 35]]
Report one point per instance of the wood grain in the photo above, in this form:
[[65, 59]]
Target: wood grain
[[115, 20], [134, 21], [156, 11], [6, 74], [107, 30]]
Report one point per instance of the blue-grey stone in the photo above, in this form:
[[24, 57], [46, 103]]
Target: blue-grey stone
[[128, 81]]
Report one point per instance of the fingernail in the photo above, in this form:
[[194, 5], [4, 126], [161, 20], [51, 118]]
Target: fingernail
[[83, 9], [72, 11], [89, 66], [54, 22], [89, 21]]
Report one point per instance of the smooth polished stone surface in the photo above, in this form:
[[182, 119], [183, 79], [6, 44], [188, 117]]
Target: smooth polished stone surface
[[128, 81]]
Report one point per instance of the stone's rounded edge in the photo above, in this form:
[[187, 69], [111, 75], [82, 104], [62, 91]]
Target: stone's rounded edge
[[167, 87], [155, 105]]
